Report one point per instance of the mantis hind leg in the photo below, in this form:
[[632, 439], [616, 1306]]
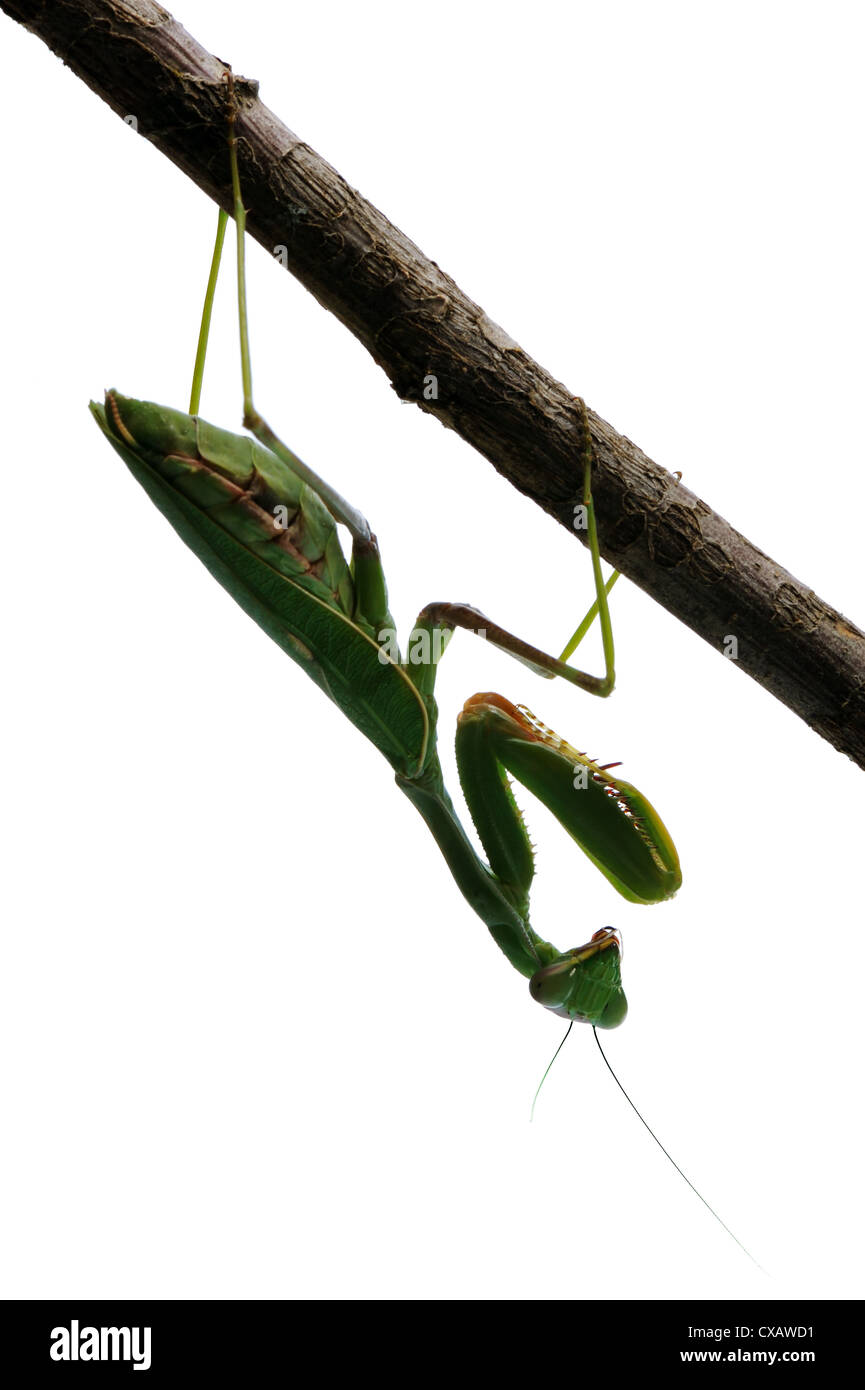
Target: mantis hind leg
[[371, 605], [340, 509]]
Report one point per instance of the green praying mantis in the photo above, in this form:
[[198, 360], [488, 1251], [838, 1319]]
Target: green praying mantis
[[265, 525]]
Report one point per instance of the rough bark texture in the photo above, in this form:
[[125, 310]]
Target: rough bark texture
[[416, 322]]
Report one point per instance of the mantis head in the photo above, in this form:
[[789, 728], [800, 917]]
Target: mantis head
[[585, 985]]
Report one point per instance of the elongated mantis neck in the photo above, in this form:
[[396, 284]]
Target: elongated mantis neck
[[523, 947]]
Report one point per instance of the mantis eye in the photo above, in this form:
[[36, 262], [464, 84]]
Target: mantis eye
[[585, 984]]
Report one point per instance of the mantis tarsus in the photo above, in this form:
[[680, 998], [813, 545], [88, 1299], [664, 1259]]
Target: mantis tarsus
[[265, 525]]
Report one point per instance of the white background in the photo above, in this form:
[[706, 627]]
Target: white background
[[253, 1042]]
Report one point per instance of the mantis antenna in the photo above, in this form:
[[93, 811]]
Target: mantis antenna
[[549, 1068], [669, 1155], [643, 1122]]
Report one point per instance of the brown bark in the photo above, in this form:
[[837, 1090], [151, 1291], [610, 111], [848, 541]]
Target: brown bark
[[416, 323]]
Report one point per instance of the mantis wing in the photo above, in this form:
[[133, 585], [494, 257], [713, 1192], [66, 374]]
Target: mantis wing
[[217, 490]]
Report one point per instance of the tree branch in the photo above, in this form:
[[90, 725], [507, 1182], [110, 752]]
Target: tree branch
[[416, 322]]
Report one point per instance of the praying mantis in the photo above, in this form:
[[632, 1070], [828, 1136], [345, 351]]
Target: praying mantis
[[686, 721], [264, 524]]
